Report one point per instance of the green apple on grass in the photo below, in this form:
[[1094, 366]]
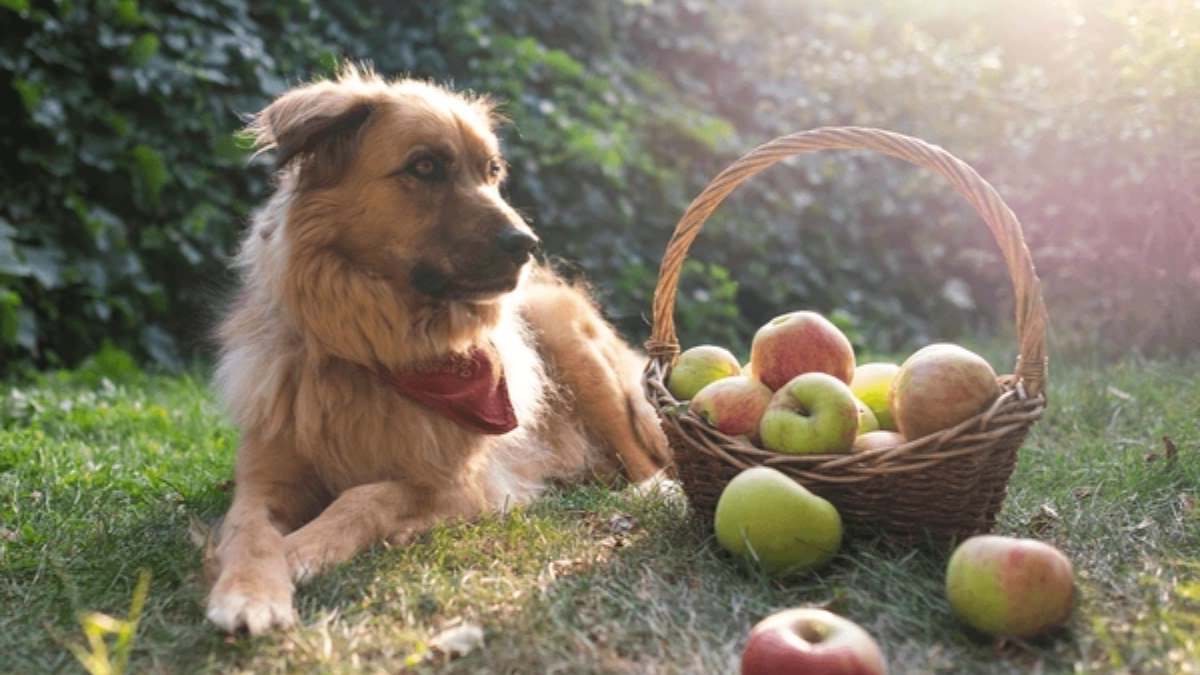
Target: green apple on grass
[[1011, 587], [698, 366], [765, 516], [814, 413], [871, 383]]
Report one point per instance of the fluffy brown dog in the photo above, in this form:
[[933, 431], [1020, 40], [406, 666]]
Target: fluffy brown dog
[[393, 358]]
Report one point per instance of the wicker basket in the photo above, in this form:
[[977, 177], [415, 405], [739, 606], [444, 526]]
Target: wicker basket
[[940, 488]]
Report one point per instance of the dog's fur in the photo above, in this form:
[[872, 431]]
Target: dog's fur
[[387, 244]]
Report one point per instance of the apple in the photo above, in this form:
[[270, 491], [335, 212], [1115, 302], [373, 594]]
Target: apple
[[1011, 587], [939, 386], [810, 641], [871, 383], [766, 517], [867, 422], [699, 366], [814, 413], [797, 343], [874, 440], [733, 405]]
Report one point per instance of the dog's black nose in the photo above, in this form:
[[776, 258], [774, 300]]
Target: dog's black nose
[[516, 244]]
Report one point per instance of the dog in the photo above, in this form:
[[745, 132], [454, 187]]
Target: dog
[[393, 355]]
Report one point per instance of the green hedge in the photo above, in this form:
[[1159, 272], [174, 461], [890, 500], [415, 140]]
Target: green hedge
[[123, 184]]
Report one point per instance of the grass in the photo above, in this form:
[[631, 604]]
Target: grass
[[99, 477]]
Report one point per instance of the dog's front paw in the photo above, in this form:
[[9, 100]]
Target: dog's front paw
[[659, 485], [257, 605]]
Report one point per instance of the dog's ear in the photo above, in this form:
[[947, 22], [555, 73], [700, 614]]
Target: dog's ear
[[318, 125]]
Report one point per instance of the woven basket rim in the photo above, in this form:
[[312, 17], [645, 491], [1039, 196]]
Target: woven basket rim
[[1013, 409]]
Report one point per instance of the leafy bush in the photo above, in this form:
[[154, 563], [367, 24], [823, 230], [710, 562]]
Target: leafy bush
[[123, 187]]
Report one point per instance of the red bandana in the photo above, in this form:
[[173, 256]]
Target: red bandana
[[469, 389]]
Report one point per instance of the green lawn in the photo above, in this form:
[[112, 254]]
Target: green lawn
[[99, 478]]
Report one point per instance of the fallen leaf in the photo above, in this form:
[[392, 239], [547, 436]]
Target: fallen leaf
[[622, 524], [566, 567], [1169, 448], [614, 543], [1044, 520], [458, 640]]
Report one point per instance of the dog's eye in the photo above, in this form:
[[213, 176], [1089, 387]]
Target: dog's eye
[[495, 168], [428, 168]]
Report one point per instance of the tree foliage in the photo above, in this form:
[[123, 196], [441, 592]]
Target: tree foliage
[[123, 184]]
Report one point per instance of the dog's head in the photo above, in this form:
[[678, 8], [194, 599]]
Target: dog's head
[[401, 179]]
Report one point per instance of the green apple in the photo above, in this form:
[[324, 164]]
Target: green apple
[[867, 422], [771, 519], [938, 387], [871, 384], [874, 440], [814, 413], [797, 343], [733, 405], [699, 366], [1005, 586]]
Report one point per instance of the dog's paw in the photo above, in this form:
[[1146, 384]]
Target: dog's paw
[[256, 608], [307, 558], [660, 486], [303, 570]]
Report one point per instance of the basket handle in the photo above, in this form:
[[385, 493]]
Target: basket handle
[[1030, 372]]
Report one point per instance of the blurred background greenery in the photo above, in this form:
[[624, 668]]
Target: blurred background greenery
[[123, 185]]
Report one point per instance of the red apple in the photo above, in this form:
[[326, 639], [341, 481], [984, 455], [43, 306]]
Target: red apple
[[938, 387], [798, 343], [811, 641], [699, 366], [1005, 586], [733, 405]]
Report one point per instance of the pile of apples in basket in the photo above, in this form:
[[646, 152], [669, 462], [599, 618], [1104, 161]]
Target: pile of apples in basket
[[802, 393]]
